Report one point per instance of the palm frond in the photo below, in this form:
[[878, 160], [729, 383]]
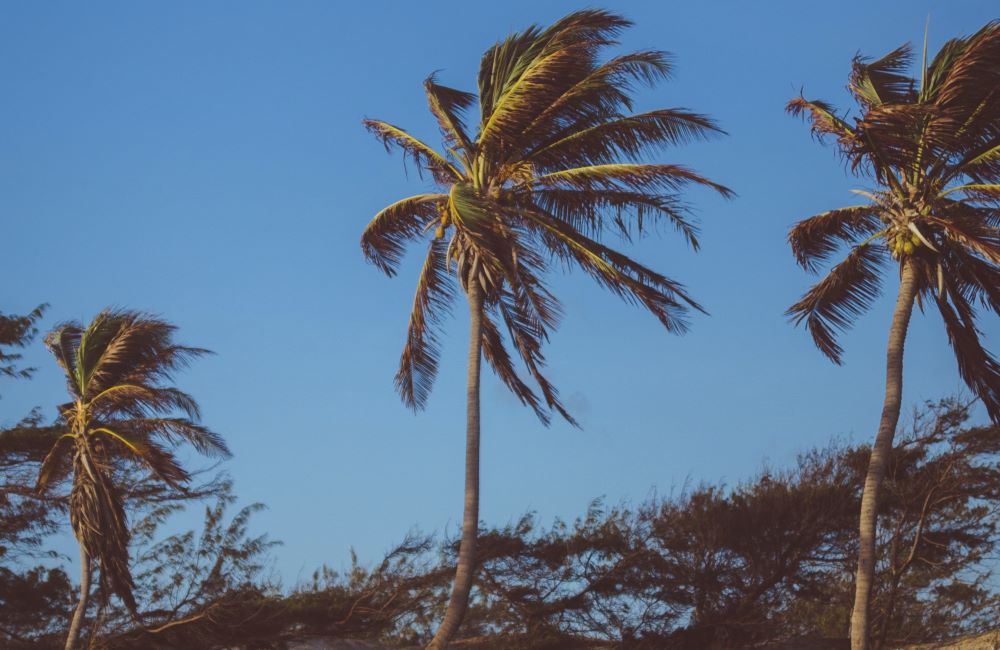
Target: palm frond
[[667, 300], [823, 120], [97, 516], [419, 362], [965, 95], [160, 361], [847, 291], [131, 348], [527, 336], [448, 105], [504, 64], [176, 431], [981, 163], [985, 192], [629, 212], [976, 278], [964, 74], [605, 91], [629, 176], [978, 237], [884, 80], [534, 89], [495, 353], [813, 240], [55, 465], [424, 156], [886, 143], [384, 239], [104, 346], [63, 342], [979, 368], [136, 400], [632, 135], [161, 462], [939, 69]]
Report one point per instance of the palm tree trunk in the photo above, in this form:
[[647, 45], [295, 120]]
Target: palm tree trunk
[[860, 626], [465, 571], [81, 608]]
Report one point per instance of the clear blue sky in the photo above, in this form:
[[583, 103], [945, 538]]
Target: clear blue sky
[[206, 161]]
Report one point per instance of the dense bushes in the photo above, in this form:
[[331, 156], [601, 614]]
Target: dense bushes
[[711, 566]]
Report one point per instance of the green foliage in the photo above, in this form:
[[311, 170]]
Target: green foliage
[[770, 559], [188, 576], [34, 603], [225, 602], [184, 572], [25, 518], [17, 332], [710, 567]]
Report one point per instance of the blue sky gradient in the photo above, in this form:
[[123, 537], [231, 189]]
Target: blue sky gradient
[[206, 161]]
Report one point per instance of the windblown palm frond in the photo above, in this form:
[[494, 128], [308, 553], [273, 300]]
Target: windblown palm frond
[[558, 161], [120, 410]]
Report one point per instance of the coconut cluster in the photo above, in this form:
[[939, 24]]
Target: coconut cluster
[[901, 241], [443, 224]]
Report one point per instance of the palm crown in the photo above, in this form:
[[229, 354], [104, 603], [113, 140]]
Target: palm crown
[[120, 409], [932, 145], [542, 180]]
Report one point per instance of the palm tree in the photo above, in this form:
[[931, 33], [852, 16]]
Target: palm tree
[[932, 148], [120, 411], [542, 180]]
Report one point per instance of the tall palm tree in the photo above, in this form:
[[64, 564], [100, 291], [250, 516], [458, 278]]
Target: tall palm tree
[[931, 146], [120, 410], [542, 180]]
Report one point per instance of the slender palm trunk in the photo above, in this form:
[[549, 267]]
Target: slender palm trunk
[[466, 568], [81, 608], [860, 625]]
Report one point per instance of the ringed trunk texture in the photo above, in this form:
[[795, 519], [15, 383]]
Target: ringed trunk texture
[[860, 616], [465, 571], [81, 608]]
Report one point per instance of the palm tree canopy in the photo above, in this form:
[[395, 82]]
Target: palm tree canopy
[[121, 409], [931, 145], [541, 180]]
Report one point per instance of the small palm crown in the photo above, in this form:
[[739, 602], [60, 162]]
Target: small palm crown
[[120, 411], [932, 145]]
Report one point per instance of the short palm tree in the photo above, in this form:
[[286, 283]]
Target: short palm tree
[[932, 148], [121, 410], [542, 180]]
